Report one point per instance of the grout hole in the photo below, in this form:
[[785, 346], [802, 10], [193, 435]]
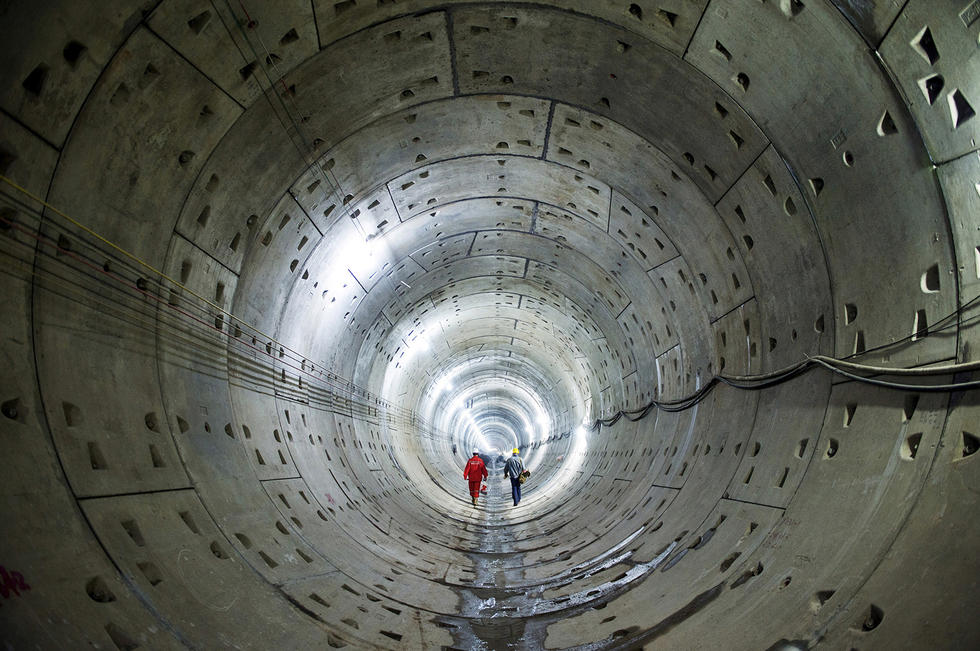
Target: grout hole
[[12, 410], [73, 52], [667, 17], [859, 346], [318, 599], [727, 563], [34, 82], [924, 44], [73, 415], [120, 96], [268, 560], [871, 619], [217, 550], [819, 598], [189, 521], [99, 591], [770, 185], [920, 326], [134, 532], [150, 75], [910, 447], [782, 479], [816, 186], [289, 37], [929, 282], [723, 51], [205, 215], [155, 457], [199, 22], [789, 206], [246, 71], [931, 87], [791, 8], [960, 110], [832, 446], [120, 638], [95, 457], [886, 125], [801, 448], [970, 444]]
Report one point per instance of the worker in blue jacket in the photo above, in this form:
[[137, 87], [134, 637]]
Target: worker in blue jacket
[[514, 468]]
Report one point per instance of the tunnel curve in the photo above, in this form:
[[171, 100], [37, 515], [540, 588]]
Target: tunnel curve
[[276, 270]]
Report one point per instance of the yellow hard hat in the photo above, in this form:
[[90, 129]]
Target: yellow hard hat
[[516, 451]]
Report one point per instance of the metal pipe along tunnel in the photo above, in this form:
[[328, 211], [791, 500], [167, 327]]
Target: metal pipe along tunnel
[[273, 270]]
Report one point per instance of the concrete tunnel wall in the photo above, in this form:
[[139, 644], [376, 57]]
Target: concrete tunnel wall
[[573, 208]]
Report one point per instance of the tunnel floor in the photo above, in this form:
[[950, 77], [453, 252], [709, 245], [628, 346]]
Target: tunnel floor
[[505, 610], [499, 611]]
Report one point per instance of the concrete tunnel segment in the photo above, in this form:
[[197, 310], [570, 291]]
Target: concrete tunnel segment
[[327, 242]]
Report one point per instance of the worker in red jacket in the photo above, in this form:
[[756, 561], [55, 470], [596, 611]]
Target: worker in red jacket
[[475, 472]]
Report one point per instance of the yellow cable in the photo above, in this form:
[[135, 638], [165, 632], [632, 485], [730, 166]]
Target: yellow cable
[[129, 255], [156, 271], [404, 414]]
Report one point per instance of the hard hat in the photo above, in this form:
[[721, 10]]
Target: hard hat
[[476, 452], [516, 451]]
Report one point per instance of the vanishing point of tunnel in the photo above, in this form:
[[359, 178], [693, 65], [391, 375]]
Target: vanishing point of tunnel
[[272, 271]]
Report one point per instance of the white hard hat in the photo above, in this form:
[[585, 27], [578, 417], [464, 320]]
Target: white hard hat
[[476, 452]]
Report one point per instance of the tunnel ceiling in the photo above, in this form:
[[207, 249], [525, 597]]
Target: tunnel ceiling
[[276, 269]]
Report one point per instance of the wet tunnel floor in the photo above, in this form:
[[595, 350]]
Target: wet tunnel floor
[[489, 610], [503, 610]]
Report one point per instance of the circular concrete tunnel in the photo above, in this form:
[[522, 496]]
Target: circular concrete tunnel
[[273, 270]]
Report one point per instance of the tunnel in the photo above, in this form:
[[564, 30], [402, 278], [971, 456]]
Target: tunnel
[[273, 271]]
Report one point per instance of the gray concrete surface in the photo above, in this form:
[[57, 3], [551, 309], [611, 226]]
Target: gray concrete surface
[[271, 270]]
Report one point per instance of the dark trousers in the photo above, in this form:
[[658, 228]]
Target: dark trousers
[[515, 490]]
